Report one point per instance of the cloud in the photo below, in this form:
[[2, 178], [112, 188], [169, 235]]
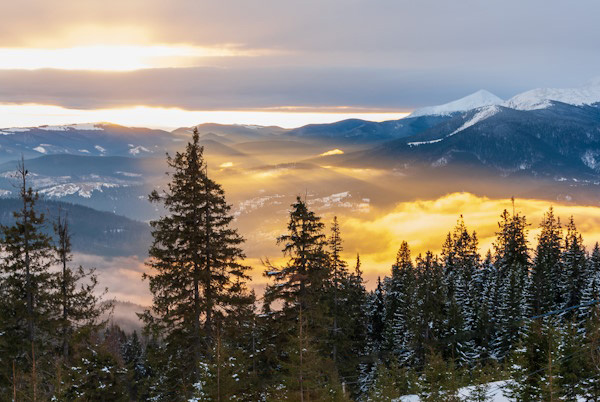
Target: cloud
[[332, 152], [375, 233], [392, 54], [425, 223]]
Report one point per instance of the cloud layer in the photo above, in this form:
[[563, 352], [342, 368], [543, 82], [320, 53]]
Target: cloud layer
[[387, 55]]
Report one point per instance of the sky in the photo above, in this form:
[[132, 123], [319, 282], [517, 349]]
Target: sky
[[173, 63]]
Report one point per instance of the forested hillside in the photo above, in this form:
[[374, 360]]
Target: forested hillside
[[524, 314], [95, 232]]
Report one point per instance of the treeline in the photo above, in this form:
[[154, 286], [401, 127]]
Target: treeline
[[527, 315]]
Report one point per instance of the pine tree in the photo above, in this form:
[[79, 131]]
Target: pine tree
[[339, 278], [512, 263], [400, 308], [80, 305], [571, 370], [591, 350], [484, 284], [135, 363], [461, 263], [300, 285], [431, 301], [195, 257], [353, 328], [96, 376], [575, 267], [547, 268], [591, 291], [439, 382], [28, 313]]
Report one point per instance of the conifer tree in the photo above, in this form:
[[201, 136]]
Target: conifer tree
[[485, 284], [461, 263], [512, 263], [431, 299], [547, 268], [28, 314], [571, 370], [195, 257], [80, 305], [591, 350], [575, 267], [339, 278], [591, 291], [300, 286], [400, 307], [439, 382]]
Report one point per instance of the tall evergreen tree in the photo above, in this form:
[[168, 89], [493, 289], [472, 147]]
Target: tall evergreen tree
[[461, 263], [28, 309], [195, 257], [339, 278], [575, 267], [300, 286], [512, 263], [430, 327], [81, 307], [547, 268], [400, 307]]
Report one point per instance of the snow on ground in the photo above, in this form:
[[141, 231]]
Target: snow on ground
[[40, 149], [541, 98], [11, 131], [417, 143], [82, 189], [138, 149], [494, 392], [475, 100], [67, 127], [481, 115]]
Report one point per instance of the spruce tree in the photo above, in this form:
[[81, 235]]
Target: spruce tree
[[461, 263], [303, 319], [571, 370], [512, 263], [81, 307], [591, 291], [339, 278], [547, 268], [195, 258], [575, 267], [430, 326], [27, 300], [400, 307]]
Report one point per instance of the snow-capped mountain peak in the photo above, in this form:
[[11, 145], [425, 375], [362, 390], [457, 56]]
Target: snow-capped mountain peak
[[541, 98], [475, 100]]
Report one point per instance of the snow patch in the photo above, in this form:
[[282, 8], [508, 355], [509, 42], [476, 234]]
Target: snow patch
[[40, 149], [542, 98], [417, 143], [138, 149], [84, 190], [68, 127], [481, 115], [99, 148]]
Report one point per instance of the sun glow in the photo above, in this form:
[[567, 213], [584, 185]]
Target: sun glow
[[111, 57], [31, 115]]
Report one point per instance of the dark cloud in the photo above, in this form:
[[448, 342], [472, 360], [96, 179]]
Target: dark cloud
[[384, 54]]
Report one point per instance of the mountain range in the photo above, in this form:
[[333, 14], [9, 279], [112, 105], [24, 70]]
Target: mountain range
[[551, 135]]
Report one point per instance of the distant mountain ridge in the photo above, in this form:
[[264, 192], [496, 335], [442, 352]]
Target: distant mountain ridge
[[475, 100]]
